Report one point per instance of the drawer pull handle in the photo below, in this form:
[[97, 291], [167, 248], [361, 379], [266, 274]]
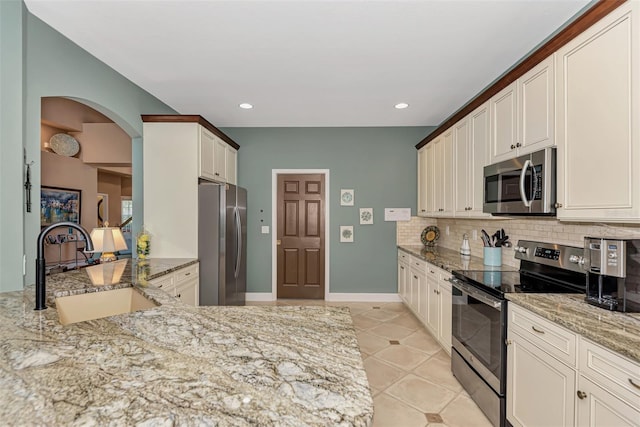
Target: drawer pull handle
[[633, 383], [178, 296], [186, 274], [581, 394], [415, 277], [537, 330]]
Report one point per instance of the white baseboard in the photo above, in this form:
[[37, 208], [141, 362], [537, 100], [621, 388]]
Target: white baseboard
[[259, 296], [344, 297]]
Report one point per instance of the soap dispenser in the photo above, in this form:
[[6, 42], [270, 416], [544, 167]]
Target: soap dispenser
[[464, 248]]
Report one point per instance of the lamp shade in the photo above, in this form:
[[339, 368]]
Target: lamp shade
[[108, 240]]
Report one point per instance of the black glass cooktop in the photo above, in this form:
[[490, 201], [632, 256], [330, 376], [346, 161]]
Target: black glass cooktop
[[553, 281]]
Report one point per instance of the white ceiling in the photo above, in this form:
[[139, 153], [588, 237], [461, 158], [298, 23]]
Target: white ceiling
[[310, 63]]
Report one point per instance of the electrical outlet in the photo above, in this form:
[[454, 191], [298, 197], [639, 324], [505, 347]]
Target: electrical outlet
[[474, 234], [446, 230]]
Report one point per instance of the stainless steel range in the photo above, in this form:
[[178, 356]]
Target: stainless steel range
[[479, 323]]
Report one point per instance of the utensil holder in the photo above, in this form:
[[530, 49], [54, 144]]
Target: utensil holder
[[493, 256]]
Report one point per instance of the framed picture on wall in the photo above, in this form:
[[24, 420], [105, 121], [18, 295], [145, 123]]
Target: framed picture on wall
[[366, 216], [346, 197], [59, 204]]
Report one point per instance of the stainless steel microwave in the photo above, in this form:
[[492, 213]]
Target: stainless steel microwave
[[525, 185]]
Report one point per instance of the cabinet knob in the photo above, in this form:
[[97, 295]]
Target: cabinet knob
[[513, 146], [178, 296], [557, 205], [518, 145], [508, 342], [581, 394], [415, 277]]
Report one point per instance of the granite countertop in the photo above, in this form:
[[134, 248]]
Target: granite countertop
[[619, 332], [448, 259], [178, 365]]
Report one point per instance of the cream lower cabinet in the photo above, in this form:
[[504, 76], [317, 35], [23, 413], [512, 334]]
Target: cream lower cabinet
[[444, 308], [556, 377], [403, 275], [598, 130], [182, 284]]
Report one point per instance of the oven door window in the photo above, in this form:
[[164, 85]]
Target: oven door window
[[478, 327]]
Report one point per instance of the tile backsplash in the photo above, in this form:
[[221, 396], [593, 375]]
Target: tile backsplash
[[539, 229]]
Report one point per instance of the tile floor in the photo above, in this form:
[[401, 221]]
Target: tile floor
[[409, 373]]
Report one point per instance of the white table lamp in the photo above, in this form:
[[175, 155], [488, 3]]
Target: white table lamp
[[108, 240]]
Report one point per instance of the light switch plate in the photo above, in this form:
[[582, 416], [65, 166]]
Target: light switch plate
[[265, 229]]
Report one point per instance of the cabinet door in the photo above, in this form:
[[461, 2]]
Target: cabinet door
[[541, 390], [462, 170], [431, 176], [422, 181], [479, 133], [206, 145], [220, 159], [598, 407], [231, 165], [414, 290], [444, 309], [504, 127], [537, 108], [598, 95], [433, 314], [446, 175], [187, 292], [402, 280]]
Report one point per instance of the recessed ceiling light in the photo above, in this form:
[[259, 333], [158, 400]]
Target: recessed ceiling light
[[246, 106], [401, 106]]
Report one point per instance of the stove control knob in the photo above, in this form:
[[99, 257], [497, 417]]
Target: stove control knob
[[520, 249], [576, 259]]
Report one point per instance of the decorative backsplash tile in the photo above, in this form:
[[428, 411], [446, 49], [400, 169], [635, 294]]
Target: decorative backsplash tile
[[539, 229]]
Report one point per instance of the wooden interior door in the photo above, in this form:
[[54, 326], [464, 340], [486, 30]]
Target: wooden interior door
[[300, 234]]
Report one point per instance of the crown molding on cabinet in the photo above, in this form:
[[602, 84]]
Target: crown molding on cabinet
[[189, 118], [598, 11]]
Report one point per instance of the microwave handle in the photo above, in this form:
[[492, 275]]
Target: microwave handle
[[523, 173]]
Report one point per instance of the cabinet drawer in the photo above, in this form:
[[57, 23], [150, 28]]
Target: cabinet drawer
[[404, 257], [549, 337], [163, 282], [617, 374], [418, 264], [186, 273]]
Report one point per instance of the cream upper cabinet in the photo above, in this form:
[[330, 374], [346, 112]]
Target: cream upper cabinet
[[429, 195], [523, 114], [504, 123], [470, 141], [220, 159], [536, 102], [441, 181], [231, 165], [422, 181], [206, 144], [598, 105]]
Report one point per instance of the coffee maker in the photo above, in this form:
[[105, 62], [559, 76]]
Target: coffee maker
[[613, 273]]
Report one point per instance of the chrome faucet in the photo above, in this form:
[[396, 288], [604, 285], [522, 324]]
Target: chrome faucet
[[40, 261]]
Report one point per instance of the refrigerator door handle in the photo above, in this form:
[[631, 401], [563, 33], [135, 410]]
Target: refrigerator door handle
[[238, 223]]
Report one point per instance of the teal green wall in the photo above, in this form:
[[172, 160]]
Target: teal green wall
[[55, 66], [378, 163], [12, 14]]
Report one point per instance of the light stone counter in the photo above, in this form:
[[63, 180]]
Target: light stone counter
[[448, 259], [619, 332], [179, 365]]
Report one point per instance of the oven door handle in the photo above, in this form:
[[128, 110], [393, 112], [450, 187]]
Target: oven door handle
[[474, 293], [523, 174]]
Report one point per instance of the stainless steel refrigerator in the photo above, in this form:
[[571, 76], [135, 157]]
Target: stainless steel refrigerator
[[222, 249]]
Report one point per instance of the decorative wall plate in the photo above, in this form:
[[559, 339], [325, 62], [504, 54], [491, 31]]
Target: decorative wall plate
[[64, 145], [366, 216], [430, 235], [346, 233], [346, 197]]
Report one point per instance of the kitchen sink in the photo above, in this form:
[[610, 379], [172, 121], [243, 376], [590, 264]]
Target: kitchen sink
[[96, 305]]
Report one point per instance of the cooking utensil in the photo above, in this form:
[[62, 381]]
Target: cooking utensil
[[486, 239]]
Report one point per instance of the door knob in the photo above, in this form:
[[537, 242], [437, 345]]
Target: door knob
[[278, 242]]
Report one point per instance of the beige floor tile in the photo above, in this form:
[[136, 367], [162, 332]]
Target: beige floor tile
[[406, 320], [442, 355], [392, 332], [463, 412], [389, 412], [423, 341], [402, 356], [371, 343], [438, 371], [421, 394], [395, 306], [362, 322], [381, 375], [381, 315]]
